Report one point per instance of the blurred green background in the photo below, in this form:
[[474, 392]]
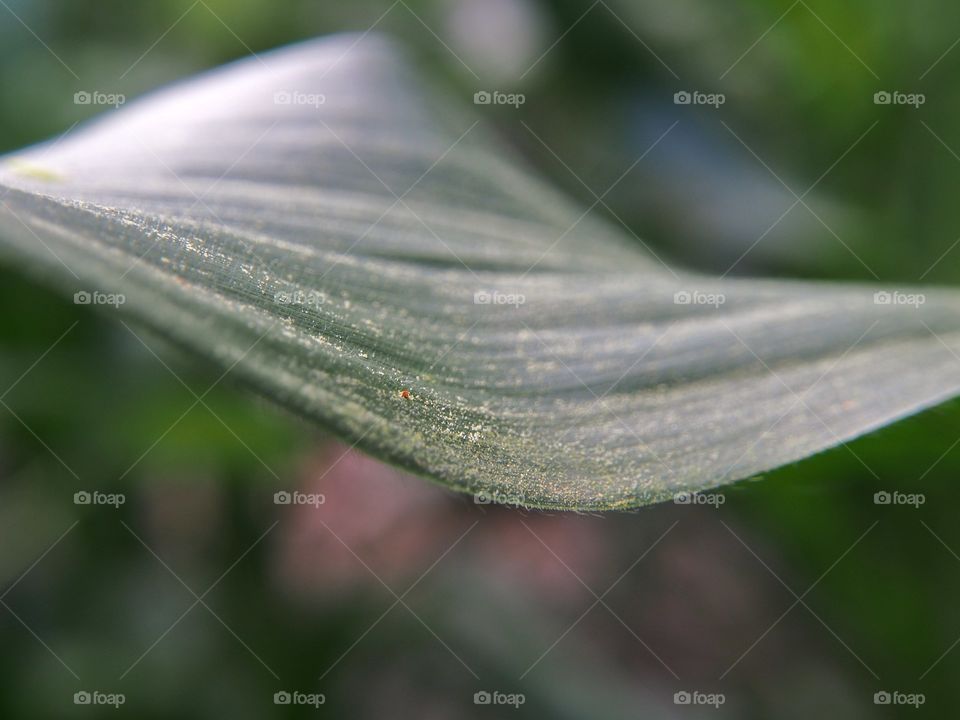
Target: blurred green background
[[199, 597]]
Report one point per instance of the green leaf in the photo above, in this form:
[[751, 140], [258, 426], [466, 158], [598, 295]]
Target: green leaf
[[327, 229]]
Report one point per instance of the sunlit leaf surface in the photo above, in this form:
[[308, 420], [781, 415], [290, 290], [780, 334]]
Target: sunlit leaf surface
[[333, 233]]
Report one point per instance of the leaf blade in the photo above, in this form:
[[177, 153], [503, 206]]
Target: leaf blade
[[329, 254]]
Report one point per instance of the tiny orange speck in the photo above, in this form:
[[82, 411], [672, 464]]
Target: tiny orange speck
[[405, 394]]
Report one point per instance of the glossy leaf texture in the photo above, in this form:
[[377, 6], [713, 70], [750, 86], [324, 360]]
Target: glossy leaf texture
[[331, 231]]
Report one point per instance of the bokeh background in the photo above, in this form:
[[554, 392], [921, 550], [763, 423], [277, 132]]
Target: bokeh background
[[199, 597]]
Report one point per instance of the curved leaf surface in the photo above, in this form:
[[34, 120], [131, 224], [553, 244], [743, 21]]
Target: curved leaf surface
[[330, 231]]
